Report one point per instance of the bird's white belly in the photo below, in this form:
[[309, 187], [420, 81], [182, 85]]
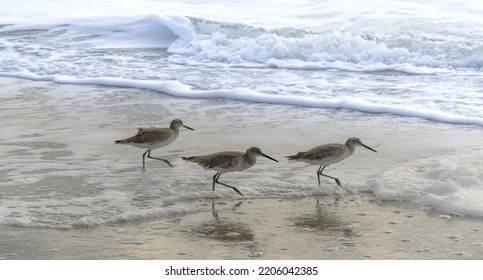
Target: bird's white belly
[[154, 145], [329, 160], [238, 166]]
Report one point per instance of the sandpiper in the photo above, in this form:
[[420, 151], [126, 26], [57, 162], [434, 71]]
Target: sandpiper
[[151, 138], [228, 161], [325, 155]]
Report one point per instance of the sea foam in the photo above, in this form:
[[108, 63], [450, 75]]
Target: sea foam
[[178, 89], [450, 184], [193, 41]]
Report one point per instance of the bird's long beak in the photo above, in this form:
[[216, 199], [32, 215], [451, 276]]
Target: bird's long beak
[[269, 157], [185, 126], [369, 148]]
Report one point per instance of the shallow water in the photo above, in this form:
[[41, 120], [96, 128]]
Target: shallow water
[[62, 169]]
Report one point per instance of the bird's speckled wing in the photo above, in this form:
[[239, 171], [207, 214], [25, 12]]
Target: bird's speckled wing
[[224, 160], [325, 151], [149, 135], [319, 153]]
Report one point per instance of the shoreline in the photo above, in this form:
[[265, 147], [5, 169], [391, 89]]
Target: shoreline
[[64, 172], [347, 227]]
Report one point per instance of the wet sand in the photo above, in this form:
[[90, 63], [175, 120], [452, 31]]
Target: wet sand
[[344, 227]]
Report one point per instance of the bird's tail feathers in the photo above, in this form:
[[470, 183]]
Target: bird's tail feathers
[[188, 158], [294, 157]]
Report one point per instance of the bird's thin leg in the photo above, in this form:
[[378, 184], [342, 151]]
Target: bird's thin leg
[[320, 173], [235, 189], [215, 178], [165, 160], [144, 156], [336, 180], [321, 168]]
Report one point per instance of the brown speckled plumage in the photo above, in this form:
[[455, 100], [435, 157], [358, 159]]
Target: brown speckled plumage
[[228, 161], [150, 135], [325, 155], [151, 138]]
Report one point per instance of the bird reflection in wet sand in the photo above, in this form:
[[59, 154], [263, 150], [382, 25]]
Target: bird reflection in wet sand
[[223, 229], [324, 221]]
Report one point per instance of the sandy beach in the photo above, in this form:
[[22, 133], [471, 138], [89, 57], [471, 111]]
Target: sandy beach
[[349, 227], [67, 192]]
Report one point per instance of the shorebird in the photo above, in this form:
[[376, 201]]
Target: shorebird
[[325, 155], [228, 161], [151, 138]]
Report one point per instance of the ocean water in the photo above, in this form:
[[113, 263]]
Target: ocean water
[[391, 71]]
